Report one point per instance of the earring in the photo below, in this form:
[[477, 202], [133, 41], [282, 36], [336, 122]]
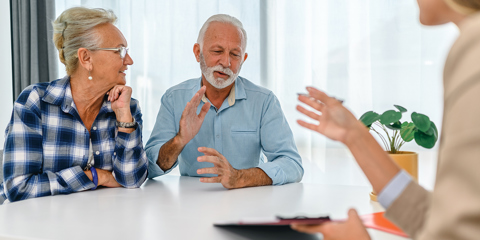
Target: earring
[[89, 76]]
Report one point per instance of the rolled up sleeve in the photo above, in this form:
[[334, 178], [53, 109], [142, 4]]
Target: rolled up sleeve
[[284, 163], [165, 129]]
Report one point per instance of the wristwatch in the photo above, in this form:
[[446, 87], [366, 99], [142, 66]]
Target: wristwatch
[[127, 124]]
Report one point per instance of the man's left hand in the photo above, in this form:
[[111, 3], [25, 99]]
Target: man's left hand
[[227, 175]]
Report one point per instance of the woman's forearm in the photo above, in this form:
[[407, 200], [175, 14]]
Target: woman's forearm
[[371, 157]]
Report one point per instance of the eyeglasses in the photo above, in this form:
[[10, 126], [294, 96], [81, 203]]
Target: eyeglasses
[[122, 50]]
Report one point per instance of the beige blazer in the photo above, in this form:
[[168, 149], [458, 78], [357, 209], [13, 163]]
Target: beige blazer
[[452, 210]]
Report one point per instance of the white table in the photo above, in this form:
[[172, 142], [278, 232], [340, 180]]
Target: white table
[[173, 207]]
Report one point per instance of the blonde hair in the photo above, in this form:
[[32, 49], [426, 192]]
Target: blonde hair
[[465, 7], [74, 29]]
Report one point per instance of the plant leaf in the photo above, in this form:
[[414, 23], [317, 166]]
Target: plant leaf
[[389, 117], [432, 131], [369, 118], [400, 108], [407, 131], [395, 126], [421, 121], [425, 140]]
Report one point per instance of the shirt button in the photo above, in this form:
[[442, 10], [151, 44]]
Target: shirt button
[[218, 136], [114, 154], [97, 152], [94, 128]]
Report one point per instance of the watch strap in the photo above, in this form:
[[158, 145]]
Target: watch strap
[[127, 124]]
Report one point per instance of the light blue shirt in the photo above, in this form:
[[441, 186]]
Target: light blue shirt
[[394, 188], [245, 126]]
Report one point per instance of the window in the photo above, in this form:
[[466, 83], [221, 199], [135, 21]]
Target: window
[[372, 54]]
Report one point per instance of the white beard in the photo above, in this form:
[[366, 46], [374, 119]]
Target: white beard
[[218, 83]]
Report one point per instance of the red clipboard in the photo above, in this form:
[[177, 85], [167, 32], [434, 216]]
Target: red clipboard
[[379, 222]]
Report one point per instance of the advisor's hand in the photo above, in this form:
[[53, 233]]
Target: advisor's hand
[[227, 175], [334, 120], [190, 122], [351, 229]]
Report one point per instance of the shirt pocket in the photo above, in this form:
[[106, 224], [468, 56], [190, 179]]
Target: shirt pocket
[[245, 150], [243, 130]]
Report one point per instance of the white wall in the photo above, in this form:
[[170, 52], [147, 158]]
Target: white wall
[[6, 103]]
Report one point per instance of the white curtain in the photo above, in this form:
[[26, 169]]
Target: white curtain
[[372, 54]]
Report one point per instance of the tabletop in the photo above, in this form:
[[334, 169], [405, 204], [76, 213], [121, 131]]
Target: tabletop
[[175, 207]]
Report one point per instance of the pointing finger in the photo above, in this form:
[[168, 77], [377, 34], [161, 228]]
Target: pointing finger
[[211, 159], [308, 113], [321, 96], [209, 151], [204, 110], [211, 179], [212, 170]]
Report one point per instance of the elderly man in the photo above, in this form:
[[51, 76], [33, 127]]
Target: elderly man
[[220, 133]]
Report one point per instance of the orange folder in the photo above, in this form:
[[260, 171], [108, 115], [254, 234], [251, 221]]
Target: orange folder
[[379, 222]]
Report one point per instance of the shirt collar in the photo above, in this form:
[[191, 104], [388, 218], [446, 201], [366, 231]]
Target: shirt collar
[[237, 92], [59, 93]]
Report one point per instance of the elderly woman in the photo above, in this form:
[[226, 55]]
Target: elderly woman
[[81, 131], [452, 210]]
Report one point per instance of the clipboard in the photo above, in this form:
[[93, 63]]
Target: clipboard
[[273, 221], [374, 220], [379, 222]]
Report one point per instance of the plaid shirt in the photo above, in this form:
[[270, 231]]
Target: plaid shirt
[[46, 145]]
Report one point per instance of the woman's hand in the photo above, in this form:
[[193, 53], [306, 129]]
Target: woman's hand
[[334, 120], [351, 229], [120, 96], [106, 179]]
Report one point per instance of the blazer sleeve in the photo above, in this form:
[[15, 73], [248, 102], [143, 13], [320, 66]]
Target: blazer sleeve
[[452, 211], [409, 210]]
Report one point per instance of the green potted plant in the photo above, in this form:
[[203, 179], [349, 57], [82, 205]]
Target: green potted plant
[[420, 129]]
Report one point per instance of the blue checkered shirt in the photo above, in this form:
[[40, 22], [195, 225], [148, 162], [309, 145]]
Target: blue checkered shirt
[[47, 145]]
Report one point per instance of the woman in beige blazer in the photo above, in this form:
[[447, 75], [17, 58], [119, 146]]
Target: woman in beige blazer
[[452, 210]]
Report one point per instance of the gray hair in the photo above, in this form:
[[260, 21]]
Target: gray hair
[[223, 18], [74, 29]]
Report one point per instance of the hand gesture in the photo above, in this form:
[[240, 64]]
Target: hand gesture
[[334, 120], [120, 96], [351, 229], [227, 175], [190, 122]]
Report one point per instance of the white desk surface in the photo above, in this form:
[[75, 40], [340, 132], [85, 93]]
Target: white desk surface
[[173, 207]]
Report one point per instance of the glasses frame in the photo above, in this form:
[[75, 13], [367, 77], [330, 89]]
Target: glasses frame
[[123, 51]]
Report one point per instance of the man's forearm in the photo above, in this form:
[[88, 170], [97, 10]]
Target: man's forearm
[[252, 177], [168, 153]]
